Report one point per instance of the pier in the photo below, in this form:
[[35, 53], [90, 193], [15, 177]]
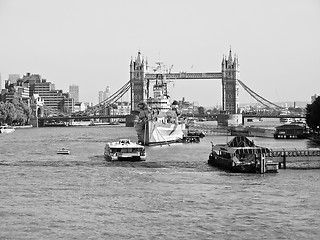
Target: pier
[[295, 158]]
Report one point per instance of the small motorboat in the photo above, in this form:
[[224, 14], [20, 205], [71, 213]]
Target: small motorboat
[[63, 151], [6, 129]]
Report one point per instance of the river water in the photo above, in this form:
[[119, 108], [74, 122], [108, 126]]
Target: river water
[[175, 194]]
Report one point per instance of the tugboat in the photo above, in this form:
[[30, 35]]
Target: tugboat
[[242, 156], [124, 150]]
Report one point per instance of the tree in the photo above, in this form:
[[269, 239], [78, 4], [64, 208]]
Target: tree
[[23, 112], [3, 113], [17, 112], [11, 112], [201, 111], [313, 115]]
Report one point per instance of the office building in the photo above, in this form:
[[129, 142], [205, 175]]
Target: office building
[[13, 78], [74, 92], [24, 88], [103, 95]]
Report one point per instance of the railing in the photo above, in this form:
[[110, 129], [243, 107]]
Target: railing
[[81, 117], [296, 158], [185, 75], [252, 115]]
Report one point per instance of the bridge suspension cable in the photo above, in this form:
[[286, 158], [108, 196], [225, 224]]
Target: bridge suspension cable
[[114, 97], [259, 98]]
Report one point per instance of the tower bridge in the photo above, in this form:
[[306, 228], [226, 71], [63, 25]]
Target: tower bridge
[[140, 78]]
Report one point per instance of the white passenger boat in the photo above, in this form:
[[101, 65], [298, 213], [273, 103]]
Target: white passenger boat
[[63, 151], [6, 129], [79, 123], [124, 150]]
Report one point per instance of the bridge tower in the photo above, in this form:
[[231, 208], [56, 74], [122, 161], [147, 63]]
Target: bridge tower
[[230, 85], [139, 92]]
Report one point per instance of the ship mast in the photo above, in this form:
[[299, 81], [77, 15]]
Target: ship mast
[[161, 80]]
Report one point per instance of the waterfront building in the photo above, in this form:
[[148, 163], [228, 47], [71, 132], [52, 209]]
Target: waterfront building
[[79, 107], [74, 92], [15, 91], [57, 101], [88, 104], [68, 103], [18, 92], [30, 84], [103, 95], [13, 78]]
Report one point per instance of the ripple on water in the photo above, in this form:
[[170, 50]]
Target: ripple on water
[[175, 194]]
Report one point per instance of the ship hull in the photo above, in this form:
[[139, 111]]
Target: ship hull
[[157, 133], [229, 165]]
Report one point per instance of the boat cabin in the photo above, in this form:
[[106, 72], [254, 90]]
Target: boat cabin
[[290, 131]]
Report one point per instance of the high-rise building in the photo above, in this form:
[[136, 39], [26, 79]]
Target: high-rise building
[[74, 92], [13, 78], [103, 95]]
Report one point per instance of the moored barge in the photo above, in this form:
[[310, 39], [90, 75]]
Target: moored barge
[[241, 155]]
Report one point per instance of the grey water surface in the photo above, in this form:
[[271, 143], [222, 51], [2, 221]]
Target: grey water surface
[[175, 194]]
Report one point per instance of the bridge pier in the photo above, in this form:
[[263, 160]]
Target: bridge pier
[[131, 118], [229, 119], [33, 122]]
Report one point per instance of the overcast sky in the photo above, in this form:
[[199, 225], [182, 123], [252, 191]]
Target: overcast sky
[[90, 44]]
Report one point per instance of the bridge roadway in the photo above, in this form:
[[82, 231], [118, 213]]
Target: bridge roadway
[[184, 75], [252, 115], [68, 118]]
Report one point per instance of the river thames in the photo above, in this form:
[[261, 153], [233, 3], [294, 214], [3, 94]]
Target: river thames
[[175, 194]]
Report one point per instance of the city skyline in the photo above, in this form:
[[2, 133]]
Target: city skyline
[[91, 44]]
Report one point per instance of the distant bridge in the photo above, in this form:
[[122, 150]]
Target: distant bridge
[[79, 118], [210, 117], [252, 115]]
